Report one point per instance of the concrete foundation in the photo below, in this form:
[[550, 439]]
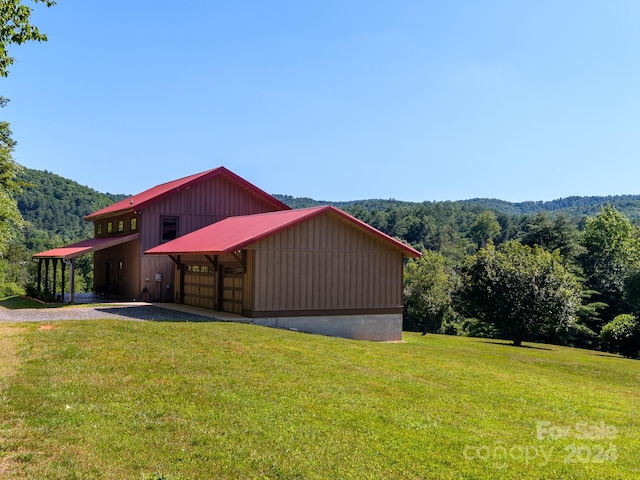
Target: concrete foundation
[[376, 328]]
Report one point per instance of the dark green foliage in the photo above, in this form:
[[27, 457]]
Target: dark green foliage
[[57, 206], [622, 335], [54, 209], [428, 286], [612, 253], [16, 28], [522, 290]]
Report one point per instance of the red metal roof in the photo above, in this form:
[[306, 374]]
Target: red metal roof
[[139, 201], [235, 233], [86, 246]]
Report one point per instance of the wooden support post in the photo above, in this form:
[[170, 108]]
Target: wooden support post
[[46, 274], [62, 286], [72, 286], [53, 283], [39, 275]]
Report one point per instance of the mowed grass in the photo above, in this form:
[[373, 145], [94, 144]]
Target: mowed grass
[[144, 400]]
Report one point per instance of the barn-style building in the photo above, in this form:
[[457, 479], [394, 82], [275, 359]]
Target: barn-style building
[[216, 241]]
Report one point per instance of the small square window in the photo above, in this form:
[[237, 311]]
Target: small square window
[[169, 229], [109, 227], [134, 223]]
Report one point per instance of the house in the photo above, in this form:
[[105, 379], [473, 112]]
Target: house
[[124, 230], [215, 241]]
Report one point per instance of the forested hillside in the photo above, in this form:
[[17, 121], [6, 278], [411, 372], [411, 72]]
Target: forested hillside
[[54, 209], [58, 206], [570, 206]]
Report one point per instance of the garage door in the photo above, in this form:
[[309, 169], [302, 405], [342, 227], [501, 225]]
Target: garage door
[[199, 286], [232, 286]]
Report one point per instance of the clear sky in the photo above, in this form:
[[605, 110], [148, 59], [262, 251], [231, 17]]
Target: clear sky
[[336, 99]]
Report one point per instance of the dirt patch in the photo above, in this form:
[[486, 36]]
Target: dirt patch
[[46, 327]]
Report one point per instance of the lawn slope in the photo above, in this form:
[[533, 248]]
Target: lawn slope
[[109, 399]]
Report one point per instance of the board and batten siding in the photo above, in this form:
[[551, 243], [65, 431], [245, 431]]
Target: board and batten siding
[[325, 264], [196, 207]]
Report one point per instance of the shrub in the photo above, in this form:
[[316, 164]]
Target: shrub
[[622, 335]]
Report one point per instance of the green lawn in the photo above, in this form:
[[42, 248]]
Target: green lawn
[[136, 400]]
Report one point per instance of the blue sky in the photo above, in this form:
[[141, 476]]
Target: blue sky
[[336, 100]]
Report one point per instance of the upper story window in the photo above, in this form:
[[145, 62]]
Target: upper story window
[[134, 224], [169, 228], [109, 227], [99, 229], [120, 225]]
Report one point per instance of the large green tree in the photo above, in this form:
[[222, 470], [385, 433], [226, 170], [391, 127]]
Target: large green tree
[[15, 29], [612, 255], [427, 292], [524, 291]]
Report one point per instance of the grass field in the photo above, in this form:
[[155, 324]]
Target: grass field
[[145, 400]]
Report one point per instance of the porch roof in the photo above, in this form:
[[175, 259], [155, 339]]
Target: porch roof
[[86, 246]]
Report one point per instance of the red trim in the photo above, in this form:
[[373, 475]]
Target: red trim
[[86, 246]]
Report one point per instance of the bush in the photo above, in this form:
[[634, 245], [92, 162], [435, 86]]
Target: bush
[[622, 335], [10, 289]]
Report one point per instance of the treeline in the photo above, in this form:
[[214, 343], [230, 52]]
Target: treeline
[[54, 209], [570, 280], [565, 272], [570, 206]]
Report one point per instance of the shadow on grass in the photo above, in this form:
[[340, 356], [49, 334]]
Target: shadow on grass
[[516, 346], [19, 303], [154, 314]]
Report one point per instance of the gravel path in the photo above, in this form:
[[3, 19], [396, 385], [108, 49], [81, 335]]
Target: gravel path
[[120, 312]]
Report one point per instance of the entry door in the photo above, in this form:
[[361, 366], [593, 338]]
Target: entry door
[[232, 287], [199, 286]]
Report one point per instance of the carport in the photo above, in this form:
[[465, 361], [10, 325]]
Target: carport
[[66, 256]]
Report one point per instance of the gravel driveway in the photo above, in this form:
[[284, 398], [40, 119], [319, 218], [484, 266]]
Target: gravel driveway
[[139, 312]]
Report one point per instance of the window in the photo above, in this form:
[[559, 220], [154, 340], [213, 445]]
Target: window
[[109, 227], [134, 223], [99, 229], [169, 229], [120, 225]]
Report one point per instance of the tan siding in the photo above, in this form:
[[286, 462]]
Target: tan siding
[[325, 263], [129, 254]]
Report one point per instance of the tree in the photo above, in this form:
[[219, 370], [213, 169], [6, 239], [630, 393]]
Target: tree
[[525, 291], [622, 335], [15, 28], [485, 228], [427, 292], [10, 217], [612, 255], [552, 234]]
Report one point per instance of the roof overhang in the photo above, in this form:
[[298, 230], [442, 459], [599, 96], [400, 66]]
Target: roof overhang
[[86, 246], [235, 233]]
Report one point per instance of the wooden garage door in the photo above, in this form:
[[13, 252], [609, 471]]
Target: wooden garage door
[[199, 286], [232, 287]]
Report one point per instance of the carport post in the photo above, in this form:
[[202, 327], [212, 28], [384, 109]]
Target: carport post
[[72, 286]]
